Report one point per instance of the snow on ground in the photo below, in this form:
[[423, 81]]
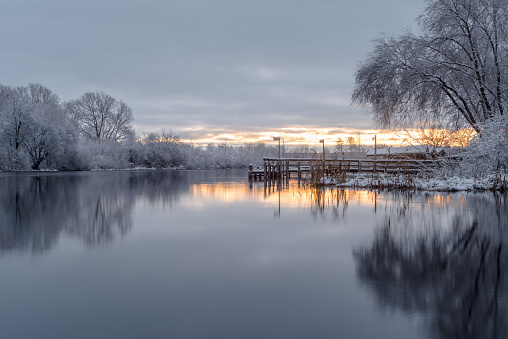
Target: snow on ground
[[453, 183]]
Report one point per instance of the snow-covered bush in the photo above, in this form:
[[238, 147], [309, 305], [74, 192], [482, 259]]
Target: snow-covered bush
[[104, 155], [157, 150], [488, 150]]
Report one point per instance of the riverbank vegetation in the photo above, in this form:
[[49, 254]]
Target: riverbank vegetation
[[448, 83], [39, 132], [452, 74]]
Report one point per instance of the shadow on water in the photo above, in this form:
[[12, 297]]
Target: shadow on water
[[444, 260], [95, 207]]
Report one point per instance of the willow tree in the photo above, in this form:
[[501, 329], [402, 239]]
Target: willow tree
[[456, 68]]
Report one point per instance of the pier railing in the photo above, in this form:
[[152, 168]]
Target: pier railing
[[297, 168]]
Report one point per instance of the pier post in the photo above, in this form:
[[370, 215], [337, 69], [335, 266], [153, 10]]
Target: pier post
[[265, 176], [268, 170], [299, 172], [288, 173], [272, 169], [279, 179], [270, 175]]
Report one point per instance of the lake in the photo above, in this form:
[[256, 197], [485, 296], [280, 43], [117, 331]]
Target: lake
[[206, 254]]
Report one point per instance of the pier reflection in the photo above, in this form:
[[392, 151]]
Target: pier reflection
[[445, 259], [327, 202]]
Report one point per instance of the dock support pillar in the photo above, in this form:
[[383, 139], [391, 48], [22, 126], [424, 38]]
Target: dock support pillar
[[299, 172], [265, 176], [288, 173]]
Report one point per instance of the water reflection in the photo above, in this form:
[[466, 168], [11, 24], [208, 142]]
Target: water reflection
[[29, 219], [323, 202], [210, 247], [333, 199], [94, 207], [443, 256]]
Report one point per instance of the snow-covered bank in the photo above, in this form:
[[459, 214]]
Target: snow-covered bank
[[452, 183]]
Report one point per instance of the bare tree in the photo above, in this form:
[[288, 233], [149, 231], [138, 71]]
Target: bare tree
[[351, 145], [42, 95], [456, 68], [101, 117], [340, 148], [434, 133], [462, 137]]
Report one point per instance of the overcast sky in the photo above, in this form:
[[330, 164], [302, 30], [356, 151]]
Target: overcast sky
[[203, 66]]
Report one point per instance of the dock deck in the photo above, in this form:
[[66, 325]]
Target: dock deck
[[275, 168]]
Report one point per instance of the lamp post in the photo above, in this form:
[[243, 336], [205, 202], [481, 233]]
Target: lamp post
[[322, 141], [375, 146], [277, 139], [279, 174]]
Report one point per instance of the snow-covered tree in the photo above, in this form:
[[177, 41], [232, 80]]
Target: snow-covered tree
[[49, 132], [457, 67], [15, 110], [101, 117], [34, 129]]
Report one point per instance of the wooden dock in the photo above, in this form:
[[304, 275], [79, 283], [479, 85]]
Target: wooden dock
[[298, 168]]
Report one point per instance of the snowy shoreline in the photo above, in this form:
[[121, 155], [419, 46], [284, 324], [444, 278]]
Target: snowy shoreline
[[134, 169], [450, 184]]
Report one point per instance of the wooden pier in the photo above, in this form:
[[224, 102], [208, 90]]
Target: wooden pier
[[298, 168]]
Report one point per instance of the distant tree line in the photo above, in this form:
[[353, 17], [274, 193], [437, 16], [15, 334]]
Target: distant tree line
[[39, 132]]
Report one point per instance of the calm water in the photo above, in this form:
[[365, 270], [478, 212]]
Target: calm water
[[165, 254]]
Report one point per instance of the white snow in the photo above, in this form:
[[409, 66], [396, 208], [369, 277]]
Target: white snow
[[453, 183]]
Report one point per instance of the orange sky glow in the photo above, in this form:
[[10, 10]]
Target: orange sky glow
[[298, 136], [292, 136]]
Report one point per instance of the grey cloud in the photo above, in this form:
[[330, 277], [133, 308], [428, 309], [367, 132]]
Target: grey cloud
[[245, 65]]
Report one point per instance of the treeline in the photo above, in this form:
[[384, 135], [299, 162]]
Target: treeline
[[39, 132]]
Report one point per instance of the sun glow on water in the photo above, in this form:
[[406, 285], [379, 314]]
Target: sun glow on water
[[291, 196]]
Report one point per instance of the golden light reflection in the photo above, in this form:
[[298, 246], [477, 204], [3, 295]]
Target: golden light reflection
[[290, 196], [224, 192], [317, 199], [439, 200]]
